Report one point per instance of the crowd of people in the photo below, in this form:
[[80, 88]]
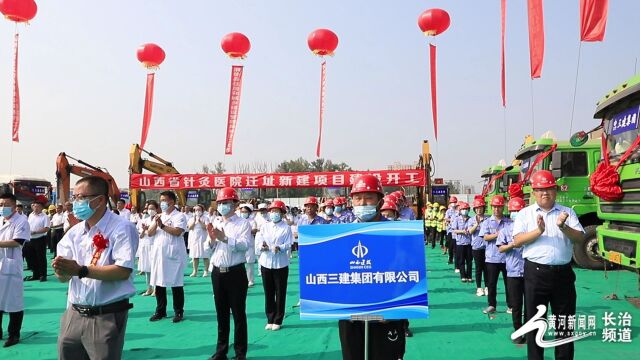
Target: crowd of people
[[530, 247]]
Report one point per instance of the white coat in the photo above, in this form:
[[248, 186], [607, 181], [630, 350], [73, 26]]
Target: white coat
[[12, 293], [198, 248], [169, 254], [145, 247]]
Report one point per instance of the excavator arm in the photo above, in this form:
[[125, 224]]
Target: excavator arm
[[162, 166], [63, 176]]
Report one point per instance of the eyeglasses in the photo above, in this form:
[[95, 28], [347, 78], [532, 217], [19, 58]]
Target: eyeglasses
[[83, 197]]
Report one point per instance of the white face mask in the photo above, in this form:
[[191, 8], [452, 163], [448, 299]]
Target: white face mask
[[198, 213], [152, 213]]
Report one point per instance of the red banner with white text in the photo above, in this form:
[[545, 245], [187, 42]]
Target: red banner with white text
[[234, 107], [275, 180]]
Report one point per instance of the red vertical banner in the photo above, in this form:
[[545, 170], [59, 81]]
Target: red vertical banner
[[323, 86], [434, 97], [15, 129], [536, 37], [503, 82], [234, 107], [593, 19], [148, 107]]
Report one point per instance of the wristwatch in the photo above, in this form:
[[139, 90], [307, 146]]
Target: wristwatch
[[161, 226], [83, 272], [561, 227]]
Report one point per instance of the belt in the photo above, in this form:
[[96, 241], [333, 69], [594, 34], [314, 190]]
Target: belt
[[550, 267], [89, 311], [222, 269]]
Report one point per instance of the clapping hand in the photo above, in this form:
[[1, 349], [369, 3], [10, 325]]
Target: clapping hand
[[541, 224], [562, 218], [215, 233]]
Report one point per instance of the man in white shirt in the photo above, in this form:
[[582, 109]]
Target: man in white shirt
[[67, 215], [167, 268], [230, 239], [39, 224], [122, 210], [14, 232], [96, 257], [57, 231]]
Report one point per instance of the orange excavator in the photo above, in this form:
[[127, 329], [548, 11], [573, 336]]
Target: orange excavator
[[137, 164], [63, 176]]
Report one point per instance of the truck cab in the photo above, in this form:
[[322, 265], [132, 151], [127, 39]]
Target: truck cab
[[572, 167], [496, 181]]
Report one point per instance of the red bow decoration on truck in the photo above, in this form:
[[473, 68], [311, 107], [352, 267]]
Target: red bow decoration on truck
[[100, 244], [605, 181]]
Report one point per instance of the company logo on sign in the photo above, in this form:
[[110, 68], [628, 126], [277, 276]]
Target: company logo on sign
[[360, 250]]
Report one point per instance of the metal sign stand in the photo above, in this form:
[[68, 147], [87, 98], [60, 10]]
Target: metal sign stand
[[366, 319]]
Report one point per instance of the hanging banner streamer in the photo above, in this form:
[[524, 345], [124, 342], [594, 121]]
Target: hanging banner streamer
[[414, 177], [15, 130], [536, 37], [323, 86], [503, 82], [434, 102], [234, 107], [593, 19], [148, 107]]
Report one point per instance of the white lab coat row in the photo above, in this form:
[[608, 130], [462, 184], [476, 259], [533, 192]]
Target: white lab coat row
[[11, 284]]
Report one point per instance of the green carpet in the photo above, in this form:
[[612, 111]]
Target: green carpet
[[457, 328]]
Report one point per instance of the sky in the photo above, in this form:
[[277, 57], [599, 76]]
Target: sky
[[82, 88]]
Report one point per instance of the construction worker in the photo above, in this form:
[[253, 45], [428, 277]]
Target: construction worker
[[311, 213], [515, 267], [329, 215], [440, 227], [340, 210], [433, 223], [427, 222], [449, 217], [494, 260], [406, 213], [463, 243], [386, 339], [548, 231], [478, 245], [389, 210]]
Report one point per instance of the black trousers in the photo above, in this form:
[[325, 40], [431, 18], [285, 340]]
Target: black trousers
[[493, 272], [481, 268], [432, 236], [230, 295], [464, 258], [274, 282], [441, 238], [161, 300], [544, 285], [28, 254], [15, 323], [451, 245], [39, 260], [515, 289], [56, 236], [386, 340]]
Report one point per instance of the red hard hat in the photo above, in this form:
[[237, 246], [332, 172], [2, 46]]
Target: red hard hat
[[128, 206], [462, 205], [391, 197], [366, 183], [339, 200], [328, 203], [311, 200], [41, 199], [227, 194], [497, 200], [389, 205], [516, 204], [542, 179], [479, 203], [453, 199], [277, 204]]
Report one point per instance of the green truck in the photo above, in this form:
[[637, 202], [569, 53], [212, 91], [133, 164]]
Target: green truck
[[619, 235], [571, 166], [496, 181]]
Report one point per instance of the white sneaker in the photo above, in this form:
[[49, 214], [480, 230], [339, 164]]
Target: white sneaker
[[479, 292], [457, 271], [205, 274], [486, 291], [275, 327], [250, 283], [193, 274], [509, 310], [268, 327]]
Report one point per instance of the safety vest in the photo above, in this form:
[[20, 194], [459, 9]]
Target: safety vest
[[440, 222]]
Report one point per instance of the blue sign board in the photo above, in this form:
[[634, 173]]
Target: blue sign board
[[438, 191], [624, 121], [376, 268], [192, 195]]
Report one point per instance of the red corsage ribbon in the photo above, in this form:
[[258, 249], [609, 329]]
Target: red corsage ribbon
[[100, 244]]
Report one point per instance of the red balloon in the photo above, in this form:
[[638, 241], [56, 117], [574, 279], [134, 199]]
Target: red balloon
[[150, 55], [433, 22], [236, 45], [323, 42], [18, 10]]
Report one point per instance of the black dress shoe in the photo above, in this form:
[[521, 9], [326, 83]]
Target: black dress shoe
[[30, 278], [218, 357], [11, 341], [156, 317], [178, 317], [43, 278], [519, 340]]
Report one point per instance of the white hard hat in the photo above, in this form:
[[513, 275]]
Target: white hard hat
[[248, 206], [262, 206]]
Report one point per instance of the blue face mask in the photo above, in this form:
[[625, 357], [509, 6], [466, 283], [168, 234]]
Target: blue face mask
[[82, 209], [224, 209], [244, 215], [275, 217], [5, 211], [164, 206], [513, 215], [338, 209], [328, 211], [365, 212]]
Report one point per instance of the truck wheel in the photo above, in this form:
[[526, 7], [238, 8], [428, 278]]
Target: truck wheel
[[585, 251]]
